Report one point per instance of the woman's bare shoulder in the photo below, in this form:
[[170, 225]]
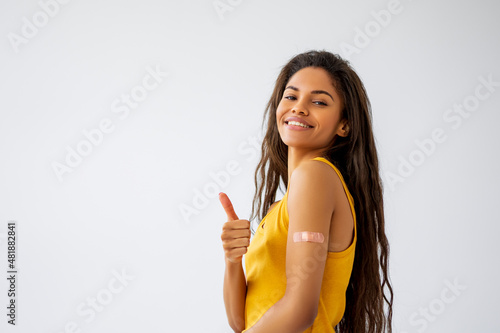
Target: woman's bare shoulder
[[314, 170], [315, 178]]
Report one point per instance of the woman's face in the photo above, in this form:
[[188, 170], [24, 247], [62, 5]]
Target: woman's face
[[311, 99]]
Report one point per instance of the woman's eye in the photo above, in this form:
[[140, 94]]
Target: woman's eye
[[293, 98]]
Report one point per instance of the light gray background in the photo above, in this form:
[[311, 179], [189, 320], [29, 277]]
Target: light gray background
[[120, 209]]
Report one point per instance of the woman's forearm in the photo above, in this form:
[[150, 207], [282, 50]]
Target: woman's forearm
[[283, 316], [235, 289]]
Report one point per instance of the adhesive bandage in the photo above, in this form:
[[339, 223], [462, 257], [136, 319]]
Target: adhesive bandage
[[308, 236]]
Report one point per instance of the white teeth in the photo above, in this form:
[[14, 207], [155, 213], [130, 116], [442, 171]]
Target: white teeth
[[298, 124]]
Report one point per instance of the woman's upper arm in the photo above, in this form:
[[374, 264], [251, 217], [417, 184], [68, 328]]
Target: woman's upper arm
[[310, 208]]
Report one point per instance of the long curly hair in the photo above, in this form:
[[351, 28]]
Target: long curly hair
[[356, 157]]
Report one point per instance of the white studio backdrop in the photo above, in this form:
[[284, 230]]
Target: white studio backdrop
[[121, 120]]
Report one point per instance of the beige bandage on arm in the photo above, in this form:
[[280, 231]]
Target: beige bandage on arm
[[308, 236]]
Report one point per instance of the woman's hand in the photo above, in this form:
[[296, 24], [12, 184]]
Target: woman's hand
[[235, 232]]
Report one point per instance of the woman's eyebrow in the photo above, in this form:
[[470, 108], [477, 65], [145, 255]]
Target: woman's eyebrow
[[312, 92]]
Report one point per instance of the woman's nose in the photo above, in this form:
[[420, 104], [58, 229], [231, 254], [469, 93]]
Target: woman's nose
[[299, 110]]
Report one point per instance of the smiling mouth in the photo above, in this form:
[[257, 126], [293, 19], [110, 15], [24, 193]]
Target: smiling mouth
[[296, 123]]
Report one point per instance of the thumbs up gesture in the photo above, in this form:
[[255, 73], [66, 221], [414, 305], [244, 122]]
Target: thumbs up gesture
[[235, 232]]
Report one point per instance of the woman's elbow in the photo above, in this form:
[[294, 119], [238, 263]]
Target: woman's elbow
[[309, 320], [237, 325], [303, 314]]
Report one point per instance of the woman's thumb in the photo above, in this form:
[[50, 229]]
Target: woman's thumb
[[228, 207]]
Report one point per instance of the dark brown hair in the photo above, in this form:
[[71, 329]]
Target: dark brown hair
[[356, 157]]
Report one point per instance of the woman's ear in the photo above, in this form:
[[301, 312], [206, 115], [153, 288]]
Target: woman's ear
[[343, 129]]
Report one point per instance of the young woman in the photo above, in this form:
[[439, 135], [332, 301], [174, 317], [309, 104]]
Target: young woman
[[318, 261]]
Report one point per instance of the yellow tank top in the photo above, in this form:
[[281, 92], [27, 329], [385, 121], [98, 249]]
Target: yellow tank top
[[265, 266]]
